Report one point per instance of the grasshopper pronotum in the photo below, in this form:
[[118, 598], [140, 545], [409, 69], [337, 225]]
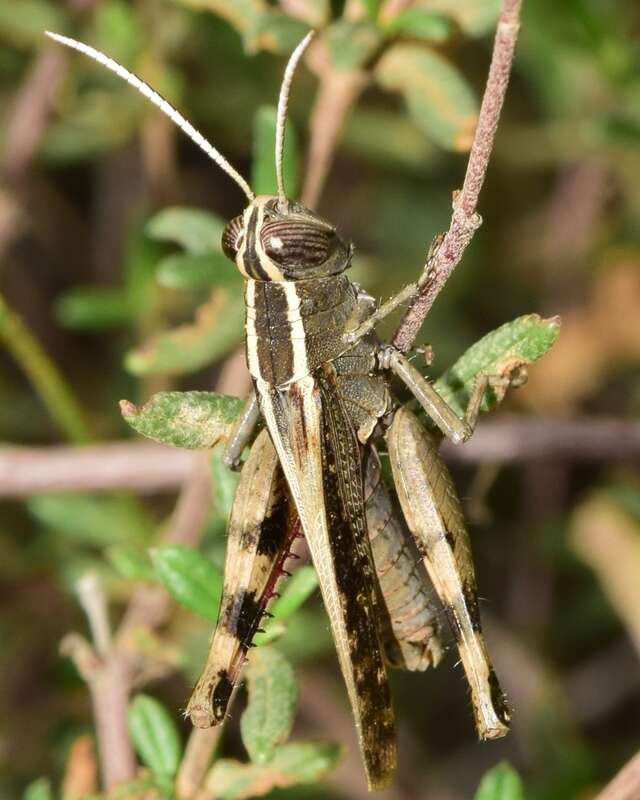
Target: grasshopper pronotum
[[322, 390]]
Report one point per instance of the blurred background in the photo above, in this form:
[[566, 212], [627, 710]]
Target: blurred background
[[113, 286]]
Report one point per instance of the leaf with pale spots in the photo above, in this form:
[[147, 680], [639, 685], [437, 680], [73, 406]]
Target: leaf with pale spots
[[193, 420], [268, 718], [506, 349]]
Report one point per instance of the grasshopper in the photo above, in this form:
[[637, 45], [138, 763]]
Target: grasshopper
[[323, 392]]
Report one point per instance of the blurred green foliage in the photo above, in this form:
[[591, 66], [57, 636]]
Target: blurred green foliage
[[112, 260]]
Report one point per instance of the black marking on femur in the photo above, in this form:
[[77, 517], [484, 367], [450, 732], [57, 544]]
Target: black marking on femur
[[248, 612], [290, 242], [273, 530], [232, 237], [471, 599], [221, 695]]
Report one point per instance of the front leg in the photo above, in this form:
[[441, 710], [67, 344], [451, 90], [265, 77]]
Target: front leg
[[242, 432]]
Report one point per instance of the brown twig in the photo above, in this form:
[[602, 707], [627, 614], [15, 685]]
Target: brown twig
[[465, 220], [338, 90], [195, 762], [626, 784], [146, 467]]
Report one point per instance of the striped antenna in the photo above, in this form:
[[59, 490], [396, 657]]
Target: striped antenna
[[281, 118], [159, 101]]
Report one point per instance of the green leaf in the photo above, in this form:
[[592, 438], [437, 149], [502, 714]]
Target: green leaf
[[130, 563], [190, 578], [501, 782], [195, 230], [197, 271], [217, 329], [154, 735], [315, 13], [194, 420], [438, 97], [239, 13], [117, 31], [39, 789], [421, 23], [274, 31], [297, 590], [92, 519], [23, 23], [93, 308], [263, 174], [372, 7], [475, 17], [292, 764], [509, 347], [268, 717], [352, 42], [225, 482]]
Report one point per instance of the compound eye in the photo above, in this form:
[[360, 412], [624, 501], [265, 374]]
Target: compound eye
[[293, 243], [232, 237]]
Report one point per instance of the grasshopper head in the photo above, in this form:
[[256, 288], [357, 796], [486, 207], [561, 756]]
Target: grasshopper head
[[281, 241]]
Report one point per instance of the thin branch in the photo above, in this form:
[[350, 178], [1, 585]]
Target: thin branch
[[337, 92], [465, 220], [626, 784], [146, 467], [195, 762]]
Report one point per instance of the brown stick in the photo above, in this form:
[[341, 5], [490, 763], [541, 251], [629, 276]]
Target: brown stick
[[337, 93], [465, 220], [626, 784], [146, 467]]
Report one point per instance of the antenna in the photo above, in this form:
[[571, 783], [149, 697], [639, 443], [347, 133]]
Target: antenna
[[159, 101], [281, 118]]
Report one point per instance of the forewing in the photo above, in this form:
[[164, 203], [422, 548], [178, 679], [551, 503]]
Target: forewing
[[432, 511], [262, 526], [320, 456]]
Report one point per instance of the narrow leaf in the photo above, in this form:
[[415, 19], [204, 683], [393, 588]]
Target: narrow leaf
[[93, 308], [197, 271], [509, 347], [194, 420], [217, 329], [352, 42], [195, 230], [268, 717], [190, 578], [39, 789], [421, 23], [501, 782], [263, 175], [438, 97], [296, 592], [292, 764], [154, 735]]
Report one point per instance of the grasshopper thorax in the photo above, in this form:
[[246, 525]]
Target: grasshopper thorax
[[284, 241]]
